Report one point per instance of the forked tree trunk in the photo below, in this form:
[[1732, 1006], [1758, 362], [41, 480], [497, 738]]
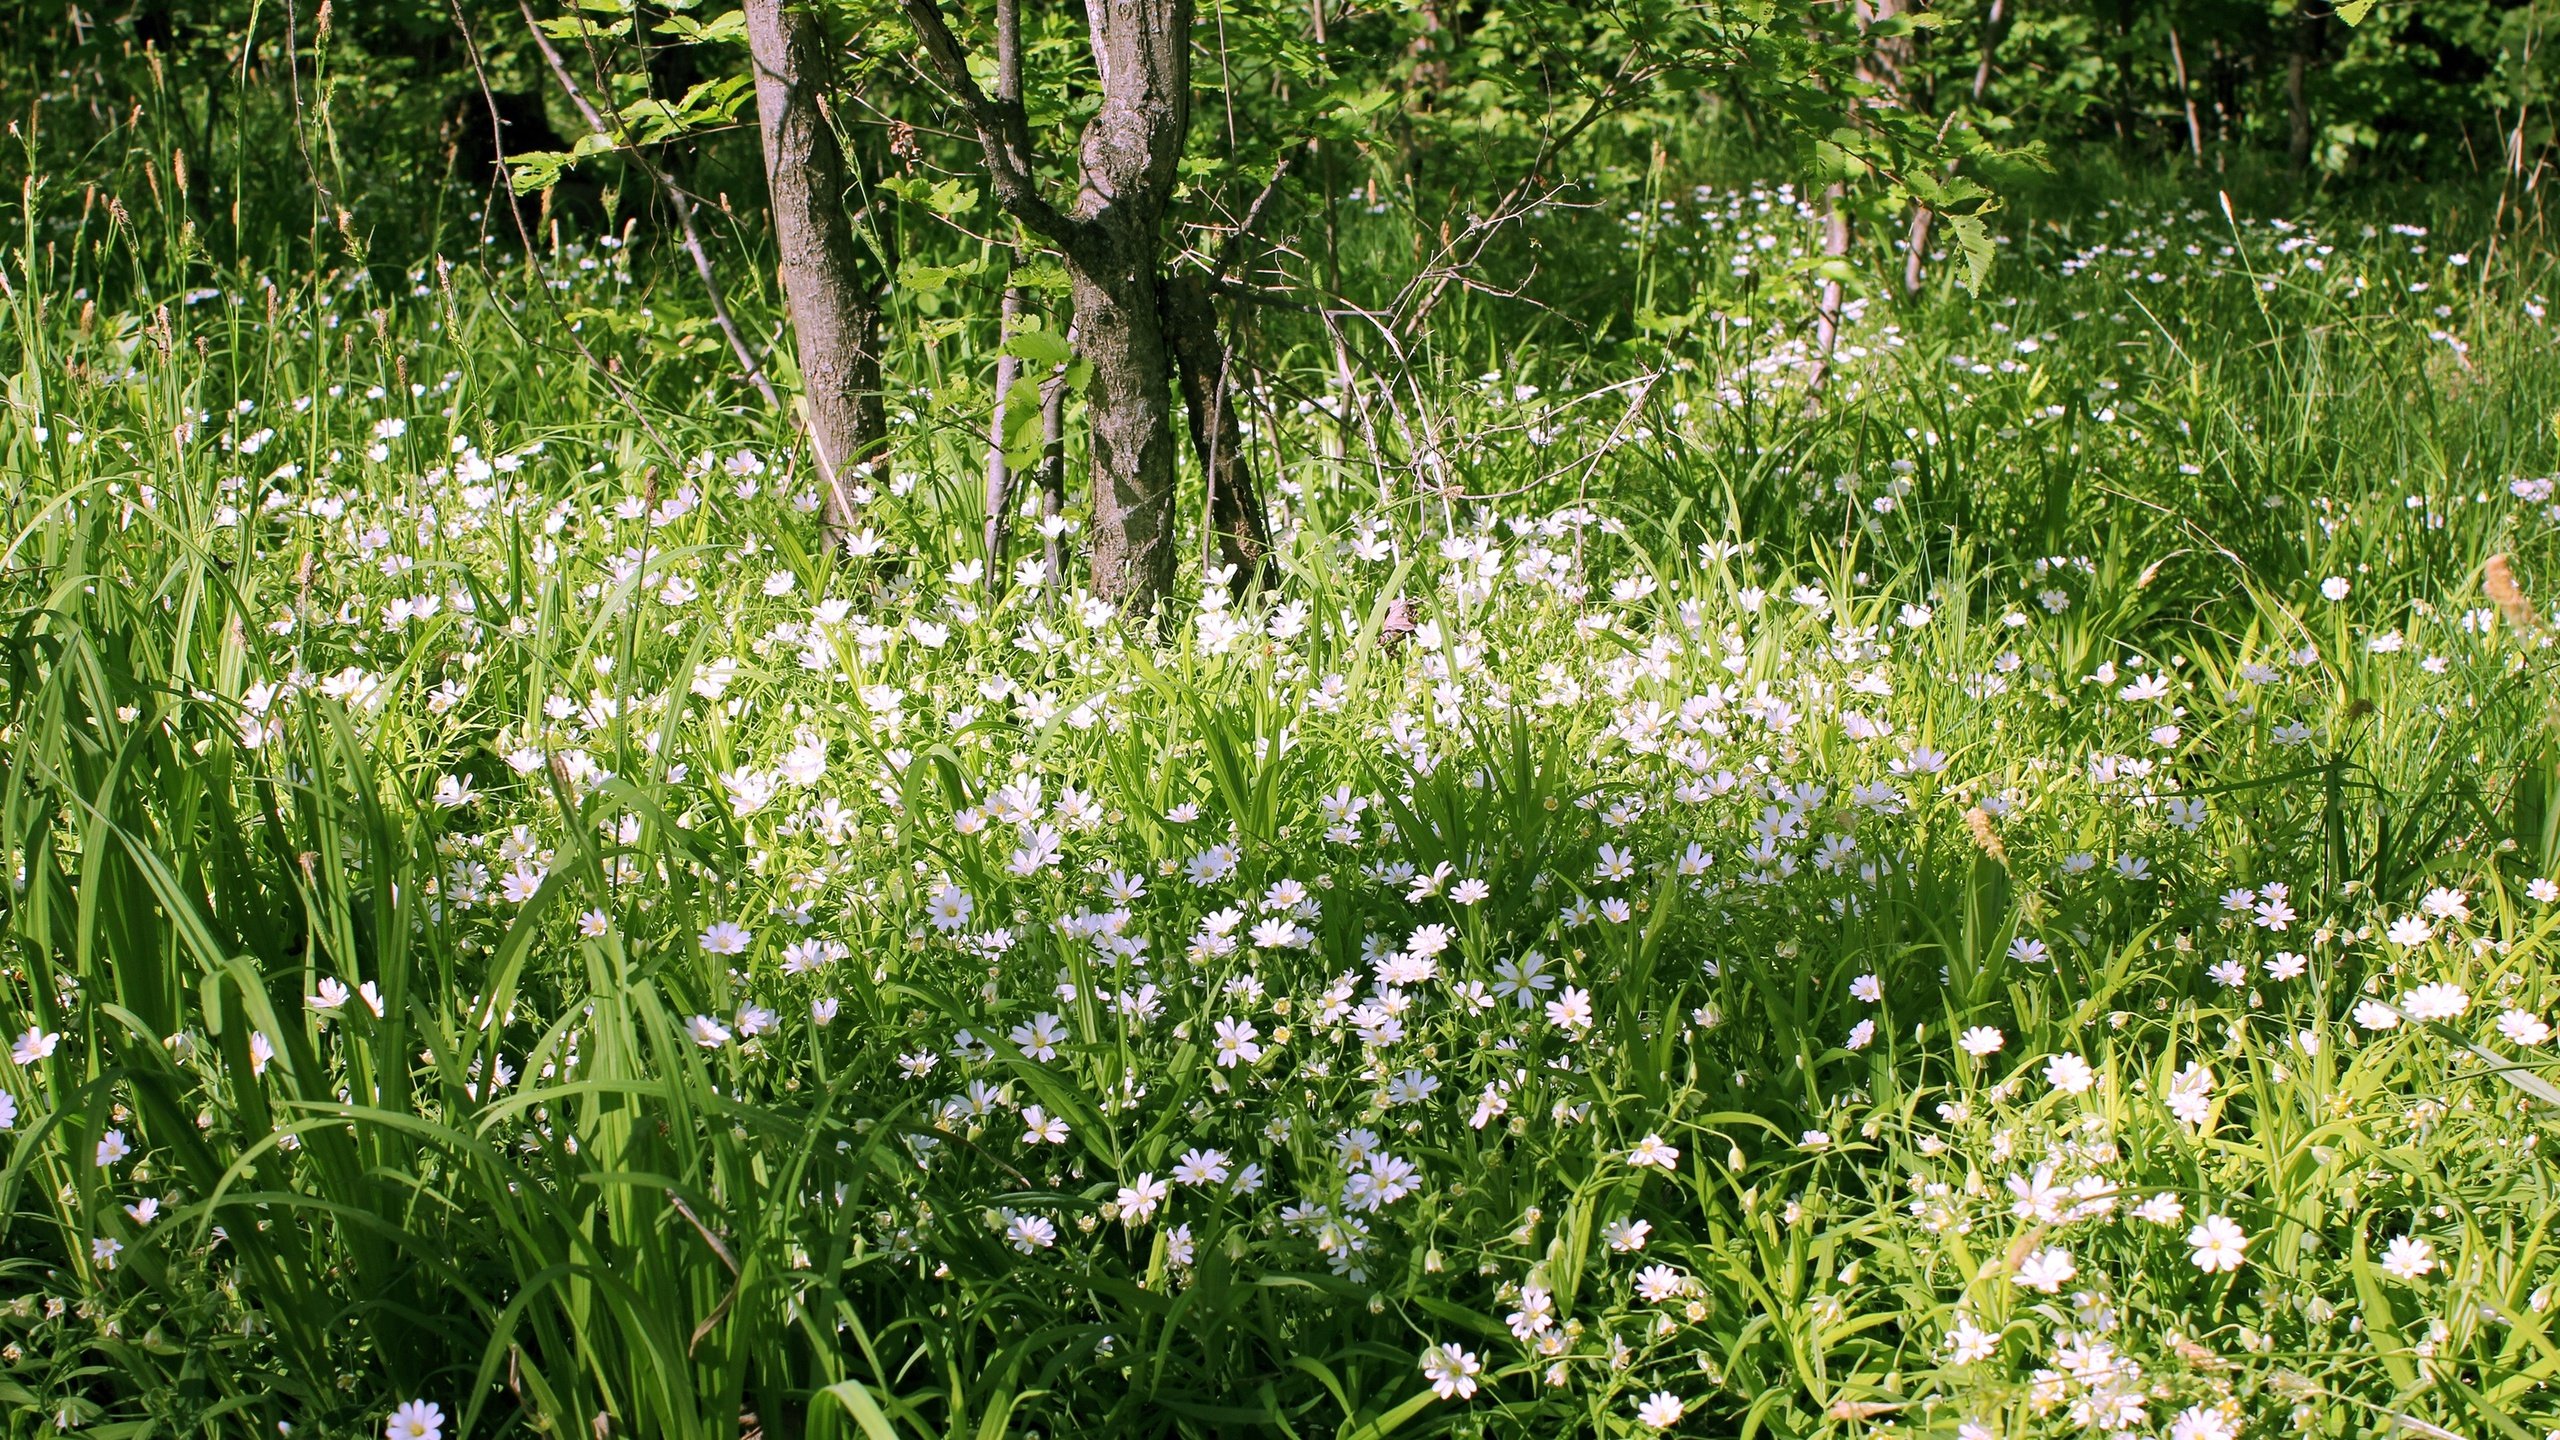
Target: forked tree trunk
[[1112, 243], [832, 295]]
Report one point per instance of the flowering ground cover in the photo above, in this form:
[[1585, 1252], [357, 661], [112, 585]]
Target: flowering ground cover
[[2011, 899]]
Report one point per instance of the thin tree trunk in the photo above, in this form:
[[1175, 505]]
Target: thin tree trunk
[[2186, 96], [1053, 479], [678, 199], [999, 470], [1826, 313], [833, 297], [1880, 64], [1207, 370]]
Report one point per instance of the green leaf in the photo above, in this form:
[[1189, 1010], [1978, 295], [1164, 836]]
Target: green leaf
[[537, 169], [1973, 242], [926, 279], [1045, 348]]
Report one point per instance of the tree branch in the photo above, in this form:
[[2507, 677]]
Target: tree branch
[[1003, 131]]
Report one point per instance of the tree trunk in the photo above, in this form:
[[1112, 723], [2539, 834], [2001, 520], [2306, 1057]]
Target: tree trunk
[[833, 297], [1207, 368], [1827, 309], [1129, 415]]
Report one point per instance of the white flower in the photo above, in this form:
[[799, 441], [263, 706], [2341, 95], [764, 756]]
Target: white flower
[[416, 1420], [1657, 1283], [1659, 1411], [2409, 930], [2202, 1422], [2334, 588], [2046, 1271], [2161, 1209], [1028, 1233], [1651, 1152], [1867, 988], [2374, 1015], [708, 1033], [1451, 1371], [103, 1251], [949, 909], [1968, 1342], [1039, 1127], [725, 937], [2191, 1093], [8, 1110], [2435, 1002], [112, 1147], [2521, 1027], [1201, 1167], [1980, 1041], [2219, 1245], [35, 1045], [2408, 1258], [1039, 1039], [1571, 1010], [2446, 903], [1139, 1199], [1237, 1043], [2070, 1074]]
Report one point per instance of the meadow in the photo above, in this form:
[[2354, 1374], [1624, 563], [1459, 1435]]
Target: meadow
[[2009, 894]]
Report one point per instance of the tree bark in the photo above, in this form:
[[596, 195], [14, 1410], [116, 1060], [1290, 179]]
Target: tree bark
[[1129, 418], [1207, 369], [832, 295]]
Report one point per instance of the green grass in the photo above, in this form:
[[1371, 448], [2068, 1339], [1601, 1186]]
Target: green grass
[[1876, 660]]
